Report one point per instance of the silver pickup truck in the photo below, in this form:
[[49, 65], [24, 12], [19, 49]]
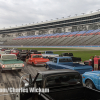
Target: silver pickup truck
[[49, 55]]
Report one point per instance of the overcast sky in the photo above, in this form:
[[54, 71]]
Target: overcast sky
[[18, 12]]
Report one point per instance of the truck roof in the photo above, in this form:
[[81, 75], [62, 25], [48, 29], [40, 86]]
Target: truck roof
[[51, 72]]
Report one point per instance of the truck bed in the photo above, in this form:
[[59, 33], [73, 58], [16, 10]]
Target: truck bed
[[74, 93]]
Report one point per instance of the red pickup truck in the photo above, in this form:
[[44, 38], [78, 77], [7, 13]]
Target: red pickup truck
[[37, 59]]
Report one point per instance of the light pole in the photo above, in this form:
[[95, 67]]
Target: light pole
[[83, 13]]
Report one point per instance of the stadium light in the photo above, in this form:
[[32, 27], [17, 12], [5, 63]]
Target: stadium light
[[98, 10], [51, 19], [62, 17], [69, 15], [76, 14], [91, 12], [83, 13], [46, 20], [56, 18]]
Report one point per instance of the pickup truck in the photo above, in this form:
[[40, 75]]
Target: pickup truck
[[67, 63], [10, 62], [12, 52], [37, 59], [92, 79], [63, 84], [75, 59], [49, 55], [22, 55]]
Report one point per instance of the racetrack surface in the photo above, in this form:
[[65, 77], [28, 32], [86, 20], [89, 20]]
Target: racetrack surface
[[11, 79]]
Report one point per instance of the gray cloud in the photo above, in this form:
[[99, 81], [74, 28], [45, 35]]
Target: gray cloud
[[18, 12]]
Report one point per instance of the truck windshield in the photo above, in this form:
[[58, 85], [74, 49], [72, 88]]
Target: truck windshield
[[14, 51], [63, 80], [36, 56], [65, 60], [7, 52], [7, 57], [49, 52]]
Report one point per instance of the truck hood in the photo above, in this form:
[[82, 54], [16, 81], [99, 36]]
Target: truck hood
[[12, 61]]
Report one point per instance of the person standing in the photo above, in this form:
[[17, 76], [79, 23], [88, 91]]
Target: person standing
[[96, 62]]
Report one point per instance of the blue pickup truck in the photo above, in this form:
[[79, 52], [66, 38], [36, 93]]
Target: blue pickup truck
[[92, 79], [67, 63]]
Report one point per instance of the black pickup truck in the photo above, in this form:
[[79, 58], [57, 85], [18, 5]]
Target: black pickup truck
[[74, 59], [63, 85]]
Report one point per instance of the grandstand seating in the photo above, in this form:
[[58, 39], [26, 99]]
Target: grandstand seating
[[78, 38]]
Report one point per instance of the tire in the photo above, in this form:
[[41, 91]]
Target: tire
[[19, 70], [48, 68], [2, 71], [90, 84], [33, 64]]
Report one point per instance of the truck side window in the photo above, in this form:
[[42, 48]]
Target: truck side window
[[63, 80], [55, 60], [39, 81]]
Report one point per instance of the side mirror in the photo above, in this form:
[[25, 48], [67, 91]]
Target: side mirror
[[25, 80]]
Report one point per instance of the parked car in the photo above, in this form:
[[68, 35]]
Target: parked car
[[49, 55], [92, 79], [63, 84], [67, 63], [10, 62], [37, 59]]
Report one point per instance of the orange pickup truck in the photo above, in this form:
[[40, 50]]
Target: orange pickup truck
[[37, 59]]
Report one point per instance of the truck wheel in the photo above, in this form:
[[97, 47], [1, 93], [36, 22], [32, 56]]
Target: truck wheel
[[90, 84], [48, 68], [47, 57], [33, 64], [2, 71], [19, 70]]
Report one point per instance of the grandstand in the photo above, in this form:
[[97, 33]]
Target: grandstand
[[75, 31]]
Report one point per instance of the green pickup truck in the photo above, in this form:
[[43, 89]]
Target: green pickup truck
[[10, 62]]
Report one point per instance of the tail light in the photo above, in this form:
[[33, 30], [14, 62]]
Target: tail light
[[3, 66], [92, 69], [23, 65]]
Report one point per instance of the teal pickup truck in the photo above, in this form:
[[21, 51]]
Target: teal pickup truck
[[10, 62]]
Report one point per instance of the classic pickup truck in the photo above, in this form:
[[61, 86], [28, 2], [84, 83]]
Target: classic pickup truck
[[49, 55], [37, 59], [92, 79], [63, 84], [12, 52], [22, 55], [75, 59], [67, 63], [10, 62]]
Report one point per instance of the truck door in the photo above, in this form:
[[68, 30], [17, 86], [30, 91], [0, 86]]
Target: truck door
[[54, 64]]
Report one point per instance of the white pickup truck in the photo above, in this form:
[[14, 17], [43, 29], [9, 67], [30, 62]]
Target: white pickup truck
[[49, 55]]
